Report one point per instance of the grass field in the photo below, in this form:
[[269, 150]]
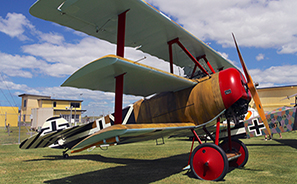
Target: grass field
[[273, 161], [13, 136]]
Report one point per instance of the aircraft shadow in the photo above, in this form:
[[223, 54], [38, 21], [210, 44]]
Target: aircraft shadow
[[134, 171], [288, 142]]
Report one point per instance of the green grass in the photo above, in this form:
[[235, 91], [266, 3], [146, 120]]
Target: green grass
[[13, 136], [273, 161]]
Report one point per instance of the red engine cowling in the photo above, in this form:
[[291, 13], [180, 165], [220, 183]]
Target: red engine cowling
[[234, 90]]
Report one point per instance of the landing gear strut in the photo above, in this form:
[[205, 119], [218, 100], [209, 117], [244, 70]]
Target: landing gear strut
[[65, 155]]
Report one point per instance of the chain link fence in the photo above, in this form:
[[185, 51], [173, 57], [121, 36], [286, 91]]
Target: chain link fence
[[12, 131]]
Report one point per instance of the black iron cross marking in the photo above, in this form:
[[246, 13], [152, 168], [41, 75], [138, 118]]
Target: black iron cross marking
[[257, 127]]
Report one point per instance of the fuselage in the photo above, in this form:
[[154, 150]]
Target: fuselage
[[200, 104]]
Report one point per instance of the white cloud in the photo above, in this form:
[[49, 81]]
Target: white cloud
[[53, 38], [260, 57], [65, 58], [276, 75], [266, 24], [14, 25], [21, 66], [6, 84]]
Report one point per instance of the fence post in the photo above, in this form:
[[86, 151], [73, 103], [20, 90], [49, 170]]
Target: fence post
[[8, 129], [5, 118], [19, 132]]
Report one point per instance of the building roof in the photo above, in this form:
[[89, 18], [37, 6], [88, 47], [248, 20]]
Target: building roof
[[272, 87], [52, 99], [43, 97], [24, 94]]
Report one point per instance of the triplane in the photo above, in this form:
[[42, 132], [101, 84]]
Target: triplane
[[211, 90]]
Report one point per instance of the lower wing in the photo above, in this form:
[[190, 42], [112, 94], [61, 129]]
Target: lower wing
[[130, 133]]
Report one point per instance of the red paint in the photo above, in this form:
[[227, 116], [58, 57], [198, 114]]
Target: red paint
[[170, 58], [232, 87], [121, 34], [176, 40], [208, 64], [196, 136], [217, 131], [191, 150], [208, 163], [119, 88]]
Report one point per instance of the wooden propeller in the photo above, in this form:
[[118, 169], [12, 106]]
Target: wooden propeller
[[252, 89]]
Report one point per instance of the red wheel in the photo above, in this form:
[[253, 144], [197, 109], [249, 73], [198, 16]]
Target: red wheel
[[209, 162], [237, 146]]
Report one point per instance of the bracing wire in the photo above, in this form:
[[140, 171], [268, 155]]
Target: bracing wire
[[8, 91]]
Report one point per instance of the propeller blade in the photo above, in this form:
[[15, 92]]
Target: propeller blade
[[252, 89]]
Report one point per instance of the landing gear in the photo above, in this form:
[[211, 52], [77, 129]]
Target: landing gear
[[212, 161], [65, 155], [239, 147], [209, 162]]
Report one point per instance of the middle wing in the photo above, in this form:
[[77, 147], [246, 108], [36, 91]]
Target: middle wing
[[139, 79]]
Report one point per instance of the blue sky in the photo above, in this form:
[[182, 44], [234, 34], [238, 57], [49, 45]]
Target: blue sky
[[37, 56]]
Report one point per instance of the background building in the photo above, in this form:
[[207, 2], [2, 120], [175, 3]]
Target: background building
[[36, 109], [275, 97], [9, 115]]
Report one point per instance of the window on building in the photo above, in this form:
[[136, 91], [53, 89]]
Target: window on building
[[25, 103], [54, 104], [75, 104]]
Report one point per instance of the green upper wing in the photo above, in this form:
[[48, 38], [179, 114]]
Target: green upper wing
[[146, 28]]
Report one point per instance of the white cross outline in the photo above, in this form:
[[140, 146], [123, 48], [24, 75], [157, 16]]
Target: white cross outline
[[253, 125]]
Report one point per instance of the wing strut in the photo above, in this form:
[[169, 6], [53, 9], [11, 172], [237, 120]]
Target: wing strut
[[121, 33], [119, 86], [176, 40], [119, 98], [207, 62]]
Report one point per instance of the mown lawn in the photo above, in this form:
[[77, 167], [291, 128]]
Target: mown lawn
[[273, 161]]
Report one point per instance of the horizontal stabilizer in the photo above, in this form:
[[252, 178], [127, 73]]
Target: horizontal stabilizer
[[42, 140], [139, 79]]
